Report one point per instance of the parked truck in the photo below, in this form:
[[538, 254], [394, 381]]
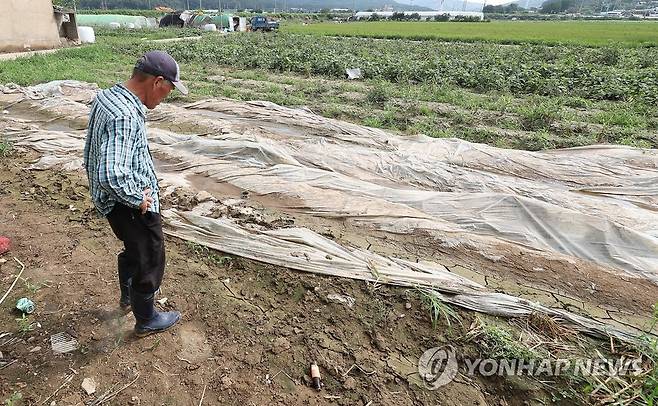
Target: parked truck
[[262, 23]]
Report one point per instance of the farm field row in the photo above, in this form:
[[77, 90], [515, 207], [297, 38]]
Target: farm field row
[[549, 97], [589, 33]]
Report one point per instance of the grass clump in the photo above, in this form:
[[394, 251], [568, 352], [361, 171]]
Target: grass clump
[[438, 309], [6, 148], [497, 342], [207, 255]]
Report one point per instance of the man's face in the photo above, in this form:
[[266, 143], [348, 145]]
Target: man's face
[[157, 89]]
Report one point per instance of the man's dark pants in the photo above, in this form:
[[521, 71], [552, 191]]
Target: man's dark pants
[[143, 258]]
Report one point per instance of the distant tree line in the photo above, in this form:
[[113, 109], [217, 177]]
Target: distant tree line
[[503, 9], [558, 6], [397, 16]]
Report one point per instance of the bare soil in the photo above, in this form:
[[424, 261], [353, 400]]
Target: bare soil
[[249, 331]]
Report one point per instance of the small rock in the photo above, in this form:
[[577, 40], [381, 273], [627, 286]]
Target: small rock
[[342, 299], [203, 196], [226, 382], [53, 403], [295, 330], [350, 383], [280, 345], [31, 339], [407, 305], [35, 349], [89, 386], [134, 400], [252, 358], [162, 301]]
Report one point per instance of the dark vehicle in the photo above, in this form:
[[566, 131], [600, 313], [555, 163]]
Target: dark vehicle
[[172, 20], [260, 23]]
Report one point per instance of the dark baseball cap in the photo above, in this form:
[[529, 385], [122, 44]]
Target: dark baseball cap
[[160, 63]]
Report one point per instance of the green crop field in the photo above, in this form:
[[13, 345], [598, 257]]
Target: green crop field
[[590, 33], [514, 96]]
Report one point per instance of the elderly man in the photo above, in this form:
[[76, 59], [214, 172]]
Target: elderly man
[[124, 187]]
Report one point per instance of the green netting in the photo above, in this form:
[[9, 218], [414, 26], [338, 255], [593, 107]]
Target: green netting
[[222, 21]]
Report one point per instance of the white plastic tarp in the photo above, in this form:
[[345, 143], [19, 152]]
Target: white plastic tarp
[[594, 203]]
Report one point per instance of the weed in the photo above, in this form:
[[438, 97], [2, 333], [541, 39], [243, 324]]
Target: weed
[[621, 117], [6, 148], [24, 324], [648, 348], [499, 343], [155, 345], [34, 287], [378, 95], [537, 116], [610, 56], [438, 310], [14, 399], [208, 255]]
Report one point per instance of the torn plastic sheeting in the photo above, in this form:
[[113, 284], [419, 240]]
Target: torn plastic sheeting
[[263, 166], [334, 168], [503, 305], [354, 73], [512, 218], [304, 250]]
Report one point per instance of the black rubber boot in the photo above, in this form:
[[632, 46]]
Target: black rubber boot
[[125, 279], [124, 301], [148, 320]]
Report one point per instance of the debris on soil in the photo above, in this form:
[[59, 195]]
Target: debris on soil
[[353, 74], [350, 383], [89, 386], [280, 345], [4, 245], [63, 343], [342, 299], [25, 305], [203, 196], [315, 376]]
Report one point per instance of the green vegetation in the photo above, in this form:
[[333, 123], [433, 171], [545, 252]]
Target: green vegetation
[[14, 399], [647, 384], [24, 324], [438, 310], [499, 342], [543, 70], [211, 257], [5, 148], [589, 33], [527, 97]]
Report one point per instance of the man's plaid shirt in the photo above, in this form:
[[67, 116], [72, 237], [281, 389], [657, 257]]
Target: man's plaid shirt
[[117, 159]]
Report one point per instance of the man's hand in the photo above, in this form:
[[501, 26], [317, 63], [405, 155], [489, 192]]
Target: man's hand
[[147, 202]]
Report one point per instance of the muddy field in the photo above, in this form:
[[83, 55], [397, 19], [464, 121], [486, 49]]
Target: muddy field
[[248, 334], [250, 330]]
